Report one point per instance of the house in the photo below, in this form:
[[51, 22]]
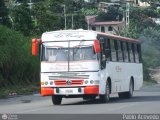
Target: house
[[138, 3], [90, 1], [156, 20], [133, 2], [109, 27]]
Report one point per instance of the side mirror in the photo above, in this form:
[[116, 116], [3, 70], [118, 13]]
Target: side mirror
[[97, 47], [35, 44]]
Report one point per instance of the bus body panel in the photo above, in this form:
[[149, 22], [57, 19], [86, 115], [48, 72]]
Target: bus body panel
[[121, 73]]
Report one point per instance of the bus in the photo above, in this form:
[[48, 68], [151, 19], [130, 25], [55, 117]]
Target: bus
[[88, 64]]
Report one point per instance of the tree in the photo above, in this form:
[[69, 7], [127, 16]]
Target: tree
[[17, 66], [114, 13], [151, 50], [22, 19], [3, 13], [44, 19], [142, 14]]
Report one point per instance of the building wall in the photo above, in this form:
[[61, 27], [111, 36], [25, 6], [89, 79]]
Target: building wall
[[143, 4], [116, 29]]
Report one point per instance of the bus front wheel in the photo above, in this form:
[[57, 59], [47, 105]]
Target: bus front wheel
[[56, 100], [105, 98]]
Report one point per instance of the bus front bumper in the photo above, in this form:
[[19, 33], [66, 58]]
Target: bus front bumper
[[87, 90]]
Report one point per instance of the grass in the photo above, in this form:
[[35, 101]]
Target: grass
[[18, 90], [149, 82]]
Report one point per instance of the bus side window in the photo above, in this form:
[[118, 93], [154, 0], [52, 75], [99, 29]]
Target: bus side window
[[123, 50], [139, 52], [120, 53], [113, 51], [128, 52], [133, 51], [108, 50], [136, 54], [103, 54], [116, 48]]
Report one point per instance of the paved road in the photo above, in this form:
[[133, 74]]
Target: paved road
[[147, 100]]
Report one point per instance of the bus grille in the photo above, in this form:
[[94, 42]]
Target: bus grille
[[64, 82], [70, 76]]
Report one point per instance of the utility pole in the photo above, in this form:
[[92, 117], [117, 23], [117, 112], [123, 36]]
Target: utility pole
[[64, 8], [88, 23], [30, 6], [127, 13], [72, 22]]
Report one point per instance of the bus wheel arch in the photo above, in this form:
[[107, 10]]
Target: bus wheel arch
[[110, 84], [129, 93], [104, 98], [132, 80]]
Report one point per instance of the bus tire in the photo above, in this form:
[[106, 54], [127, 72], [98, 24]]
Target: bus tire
[[128, 94], [56, 100], [92, 97], [105, 98]]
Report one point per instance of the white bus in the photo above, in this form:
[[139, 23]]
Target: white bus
[[87, 64]]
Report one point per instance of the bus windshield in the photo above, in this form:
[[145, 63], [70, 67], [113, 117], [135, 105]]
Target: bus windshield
[[62, 54]]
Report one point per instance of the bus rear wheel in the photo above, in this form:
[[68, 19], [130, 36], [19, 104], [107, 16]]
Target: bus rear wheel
[[56, 99], [105, 98], [128, 94]]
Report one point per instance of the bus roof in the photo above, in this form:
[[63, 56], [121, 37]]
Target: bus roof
[[80, 34], [119, 37]]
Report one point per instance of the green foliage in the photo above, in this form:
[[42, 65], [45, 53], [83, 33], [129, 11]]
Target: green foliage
[[22, 21], [4, 14], [45, 20], [79, 21], [131, 31], [17, 66], [89, 11], [141, 17], [151, 49], [113, 14]]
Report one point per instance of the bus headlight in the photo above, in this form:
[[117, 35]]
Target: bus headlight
[[91, 81], [51, 82], [46, 83], [94, 81], [86, 82]]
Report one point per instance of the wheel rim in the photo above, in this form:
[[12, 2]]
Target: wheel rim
[[131, 89]]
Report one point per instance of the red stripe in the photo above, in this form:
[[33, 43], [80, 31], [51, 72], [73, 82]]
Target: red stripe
[[91, 90]]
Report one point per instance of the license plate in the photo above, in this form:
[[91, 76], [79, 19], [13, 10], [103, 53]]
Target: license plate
[[69, 91]]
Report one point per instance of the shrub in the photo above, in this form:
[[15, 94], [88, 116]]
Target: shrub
[[17, 66]]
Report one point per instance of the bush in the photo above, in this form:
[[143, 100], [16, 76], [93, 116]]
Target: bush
[[17, 66]]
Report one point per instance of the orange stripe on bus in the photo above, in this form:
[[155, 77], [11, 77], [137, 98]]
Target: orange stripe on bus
[[47, 91], [91, 90]]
